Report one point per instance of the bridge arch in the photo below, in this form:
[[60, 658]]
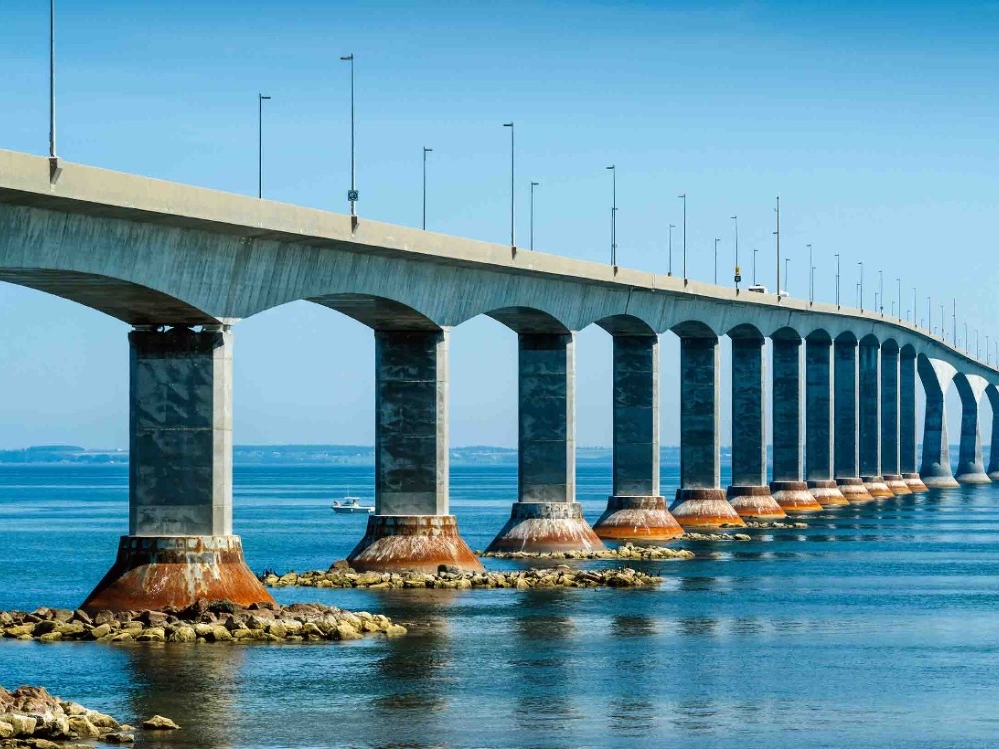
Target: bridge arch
[[625, 325], [529, 320], [378, 313], [745, 331], [693, 329], [787, 334]]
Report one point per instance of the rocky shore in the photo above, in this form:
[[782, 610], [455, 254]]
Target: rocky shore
[[203, 621], [777, 524], [561, 576]]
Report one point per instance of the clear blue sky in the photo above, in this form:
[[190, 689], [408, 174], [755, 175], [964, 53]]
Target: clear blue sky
[[875, 122]]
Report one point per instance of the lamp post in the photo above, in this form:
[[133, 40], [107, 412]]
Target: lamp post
[[52, 125], [778, 247], [352, 193], [929, 315], [861, 264], [954, 339], [533, 185], [754, 265], [513, 235], [898, 281], [684, 199], [669, 267], [613, 171], [786, 275], [837, 280], [260, 144], [716, 260], [735, 219], [811, 276], [913, 305], [881, 293], [943, 335], [425, 152]]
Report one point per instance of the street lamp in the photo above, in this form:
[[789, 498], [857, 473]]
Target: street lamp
[[613, 171], [52, 126], [837, 280], [861, 264], [737, 273], [881, 292], [811, 276], [352, 193], [684, 199], [260, 144], [513, 235], [954, 339], [716, 260], [533, 185], [754, 265], [778, 247], [670, 266], [425, 152], [786, 276]]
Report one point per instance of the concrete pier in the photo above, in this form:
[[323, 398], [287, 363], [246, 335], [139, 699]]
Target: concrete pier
[[845, 457], [790, 492], [907, 420], [749, 493], [636, 511], [869, 397], [970, 465], [411, 528], [546, 516], [890, 430], [936, 377], [818, 422], [180, 545], [993, 470], [700, 501]]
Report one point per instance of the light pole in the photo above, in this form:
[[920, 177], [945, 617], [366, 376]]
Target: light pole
[[943, 334], [954, 339], [898, 281], [881, 293], [716, 260], [260, 144], [670, 265], [513, 235], [684, 199], [811, 277], [837, 280], [778, 247], [913, 305], [967, 343], [861, 264], [786, 275], [754, 265], [352, 193], [929, 315], [737, 274], [613, 171], [533, 185], [52, 125], [425, 152]]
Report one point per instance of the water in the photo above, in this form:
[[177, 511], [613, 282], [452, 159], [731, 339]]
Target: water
[[875, 626]]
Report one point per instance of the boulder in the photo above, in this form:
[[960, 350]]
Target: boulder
[[159, 723]]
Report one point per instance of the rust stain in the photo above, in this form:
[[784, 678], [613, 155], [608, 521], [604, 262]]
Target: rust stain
[[794, 497], [412, 543], [827, 493], [540, 527], [897, 484], [854, 491], [704, 508], [877, 487], [915, 482], [154, 572], [637, 519], [755, 502]]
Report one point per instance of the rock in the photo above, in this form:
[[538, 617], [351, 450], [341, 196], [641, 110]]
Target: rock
[[183, 634], [347, 632], [340, 564], [24, 725], [119, 738], [100, 631], [6, 730], [81, 728], [50, 637], [21, 629], [394, 630], [152, 634], [121, 637], [218, 633], [159, 723], [46, 744]]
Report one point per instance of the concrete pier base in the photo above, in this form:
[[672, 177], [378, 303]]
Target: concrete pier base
[[755, 503], [153, 572], [940, 482], [826, 493], [704, 508], [794, 497], [412, 543], [973, 477], [877, 487], [914, 482], [897, 484], [854, 491], [546, 526], [637, 519]]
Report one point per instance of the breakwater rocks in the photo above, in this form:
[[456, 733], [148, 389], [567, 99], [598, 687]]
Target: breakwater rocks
[[751, 524], [31, 717], [203, 621], [561, 576]]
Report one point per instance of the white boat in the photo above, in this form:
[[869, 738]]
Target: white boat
[[351, 505]]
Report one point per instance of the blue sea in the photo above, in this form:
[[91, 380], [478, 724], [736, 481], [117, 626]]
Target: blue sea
[[877, 626]]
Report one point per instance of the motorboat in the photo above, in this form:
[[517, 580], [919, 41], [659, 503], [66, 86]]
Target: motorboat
[[350, 505]]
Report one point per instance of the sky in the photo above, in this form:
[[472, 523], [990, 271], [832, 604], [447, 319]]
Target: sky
[[874, 122]]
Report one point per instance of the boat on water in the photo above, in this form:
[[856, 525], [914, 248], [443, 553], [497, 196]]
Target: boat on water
[[350, 505]]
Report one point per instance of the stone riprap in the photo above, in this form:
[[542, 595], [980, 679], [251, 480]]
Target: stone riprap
[[203, 621], [778, 524], [31, 717], [561, 576]]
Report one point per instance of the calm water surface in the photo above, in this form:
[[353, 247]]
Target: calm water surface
[[877, 626]]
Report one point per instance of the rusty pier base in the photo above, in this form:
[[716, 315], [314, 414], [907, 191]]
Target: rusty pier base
[[877, 487], [794, 497], [539, 527], [897, 484], [412, 543], [704, 508], [915, 483], [637, 519], [826, 493], [755, 503], [854, 491], [153, 572]]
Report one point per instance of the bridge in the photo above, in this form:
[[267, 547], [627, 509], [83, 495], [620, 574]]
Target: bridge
[[183, 265]]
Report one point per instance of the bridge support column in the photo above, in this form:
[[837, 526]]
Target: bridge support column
[[818, 423], [907, 420], [411, 528], [749, 493], [180, 545], [546, 516], [788, 489], [700, 501], [970, 466], [636, 511], [993, 393], [936, 377], [870, 420], [845, 414], [890, 432]]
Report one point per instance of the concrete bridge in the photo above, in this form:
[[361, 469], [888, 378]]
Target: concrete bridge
[[182, 265]]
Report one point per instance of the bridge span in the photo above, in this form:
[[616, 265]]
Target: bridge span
[[182, 265]]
